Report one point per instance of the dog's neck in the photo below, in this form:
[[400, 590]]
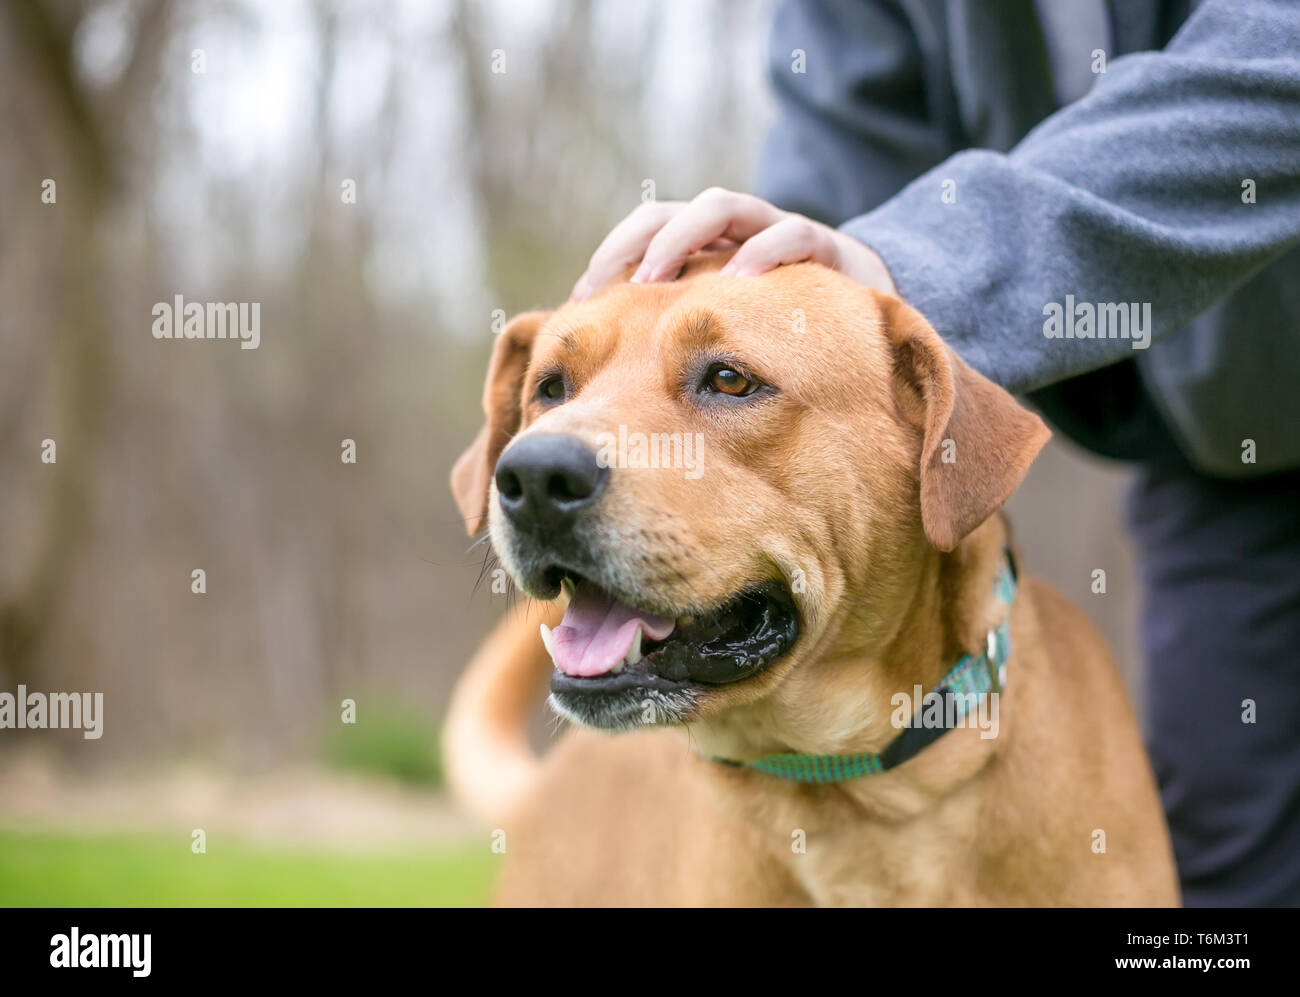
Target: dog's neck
[[838, 701], [849, 842]]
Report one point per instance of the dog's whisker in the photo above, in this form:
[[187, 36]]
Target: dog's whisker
[[489, 562]]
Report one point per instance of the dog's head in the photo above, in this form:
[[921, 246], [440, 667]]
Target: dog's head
[[729, 478]]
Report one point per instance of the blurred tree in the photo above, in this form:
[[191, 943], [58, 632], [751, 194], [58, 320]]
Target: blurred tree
[[74, 136]]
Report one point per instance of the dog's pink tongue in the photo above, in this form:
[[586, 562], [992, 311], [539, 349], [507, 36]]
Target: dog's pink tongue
[[597, 632]]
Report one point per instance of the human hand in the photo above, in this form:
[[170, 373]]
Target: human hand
[[660, 235]]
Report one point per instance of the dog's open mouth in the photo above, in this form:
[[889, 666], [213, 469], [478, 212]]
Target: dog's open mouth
[[605, 645]]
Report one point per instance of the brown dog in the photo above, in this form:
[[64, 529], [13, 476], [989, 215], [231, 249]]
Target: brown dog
[[772, 505]]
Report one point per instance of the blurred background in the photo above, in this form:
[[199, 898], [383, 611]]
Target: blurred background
[[381, 178]]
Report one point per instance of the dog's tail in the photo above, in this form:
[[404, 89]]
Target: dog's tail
[[488, 761]]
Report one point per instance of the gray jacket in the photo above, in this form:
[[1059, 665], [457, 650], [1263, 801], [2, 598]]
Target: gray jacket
[[930, 130]]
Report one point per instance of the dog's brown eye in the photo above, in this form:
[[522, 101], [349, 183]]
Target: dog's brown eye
[[551, 388], [729, 381]]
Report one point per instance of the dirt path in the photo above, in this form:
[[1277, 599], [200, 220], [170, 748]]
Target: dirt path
[[292, 806]]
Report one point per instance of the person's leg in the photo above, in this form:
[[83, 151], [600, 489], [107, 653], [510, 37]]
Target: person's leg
[[1220, 567]]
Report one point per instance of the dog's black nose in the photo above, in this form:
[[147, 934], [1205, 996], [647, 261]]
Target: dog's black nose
[[546, 480]]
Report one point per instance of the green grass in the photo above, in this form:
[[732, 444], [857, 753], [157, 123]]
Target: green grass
[[69, 870]]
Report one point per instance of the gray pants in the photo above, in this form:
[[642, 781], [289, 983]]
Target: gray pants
[[1220, 566]]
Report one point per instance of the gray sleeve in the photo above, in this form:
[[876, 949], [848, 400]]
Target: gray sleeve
[[1132, 194], [854, 123]]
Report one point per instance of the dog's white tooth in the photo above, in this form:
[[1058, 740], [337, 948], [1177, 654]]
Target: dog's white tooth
[[546, 640], [566, 586], [633, 652]]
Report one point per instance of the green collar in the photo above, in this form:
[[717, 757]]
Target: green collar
[[957, 696]]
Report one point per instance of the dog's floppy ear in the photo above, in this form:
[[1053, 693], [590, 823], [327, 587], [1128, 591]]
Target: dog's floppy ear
[[471, 476], [978, 441]]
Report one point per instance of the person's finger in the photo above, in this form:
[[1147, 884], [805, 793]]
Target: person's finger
[[794, 239], [714, 214], [625, 245]]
